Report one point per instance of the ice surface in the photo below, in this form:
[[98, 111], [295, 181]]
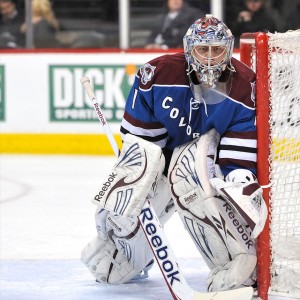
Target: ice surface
[[46, 217]]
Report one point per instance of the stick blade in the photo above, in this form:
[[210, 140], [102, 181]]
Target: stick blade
[[245, 293]]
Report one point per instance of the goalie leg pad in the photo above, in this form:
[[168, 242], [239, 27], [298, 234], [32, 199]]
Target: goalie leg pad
[[121, 251], [234, 274], [133, 178], [190, 169], [162, 201], [217, 230], [127, 233], [106, 263]]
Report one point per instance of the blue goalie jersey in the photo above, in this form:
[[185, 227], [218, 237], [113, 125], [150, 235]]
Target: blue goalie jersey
[[162, 108]]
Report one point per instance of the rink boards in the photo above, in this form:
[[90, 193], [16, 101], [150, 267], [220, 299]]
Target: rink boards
[[44, 109]]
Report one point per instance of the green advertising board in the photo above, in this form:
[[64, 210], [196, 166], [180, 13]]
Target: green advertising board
[[69, 102]]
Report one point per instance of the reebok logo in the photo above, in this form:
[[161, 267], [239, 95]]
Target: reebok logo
[[99, 113], [190, 198], [105, 186], [122, 197], [240, 229], [155, 237], [114, 225]]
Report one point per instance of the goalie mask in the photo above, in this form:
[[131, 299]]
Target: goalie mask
[[208, 47]]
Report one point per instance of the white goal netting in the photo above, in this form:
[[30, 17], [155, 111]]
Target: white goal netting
[[284, 120]]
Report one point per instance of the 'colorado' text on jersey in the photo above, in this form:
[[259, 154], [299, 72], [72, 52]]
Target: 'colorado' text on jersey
[[162, 108]]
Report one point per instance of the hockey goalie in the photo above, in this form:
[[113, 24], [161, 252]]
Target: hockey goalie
[[189, 145]]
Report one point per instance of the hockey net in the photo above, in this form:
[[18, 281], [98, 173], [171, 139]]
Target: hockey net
[[276, 61]]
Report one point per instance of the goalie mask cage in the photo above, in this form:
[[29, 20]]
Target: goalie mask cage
[[276, 60]]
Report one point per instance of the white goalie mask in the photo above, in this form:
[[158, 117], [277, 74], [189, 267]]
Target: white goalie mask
[[208, 48]]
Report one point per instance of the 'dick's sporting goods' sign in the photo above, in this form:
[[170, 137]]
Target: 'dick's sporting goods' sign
[[69, 102]]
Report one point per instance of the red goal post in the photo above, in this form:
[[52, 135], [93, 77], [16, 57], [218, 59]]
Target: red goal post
[[276, 60], [250, 44]]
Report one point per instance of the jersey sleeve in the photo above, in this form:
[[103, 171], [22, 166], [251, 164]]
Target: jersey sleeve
[[139, 118], [238, 144], [238, 147]]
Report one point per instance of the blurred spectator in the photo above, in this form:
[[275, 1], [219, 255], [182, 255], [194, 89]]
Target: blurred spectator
[[293, 19], [231, 10], [255, 17], [11, 20], [45, 25], [282, 9], [170, 28]]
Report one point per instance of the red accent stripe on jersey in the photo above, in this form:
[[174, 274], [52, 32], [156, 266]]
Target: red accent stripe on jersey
[[250, 135], [138, 123], [247, 164]]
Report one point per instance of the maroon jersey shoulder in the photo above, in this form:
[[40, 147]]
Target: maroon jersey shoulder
[[243, 80], [169, 69], [243, 70]]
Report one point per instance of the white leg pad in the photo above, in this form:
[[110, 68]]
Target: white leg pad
[[106, 263], [224, 243], [217, 231], [133, 178], [121, 250], [127, 235], [234, 274]]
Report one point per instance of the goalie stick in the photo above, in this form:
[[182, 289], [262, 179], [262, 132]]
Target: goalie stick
[[157, 239]]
